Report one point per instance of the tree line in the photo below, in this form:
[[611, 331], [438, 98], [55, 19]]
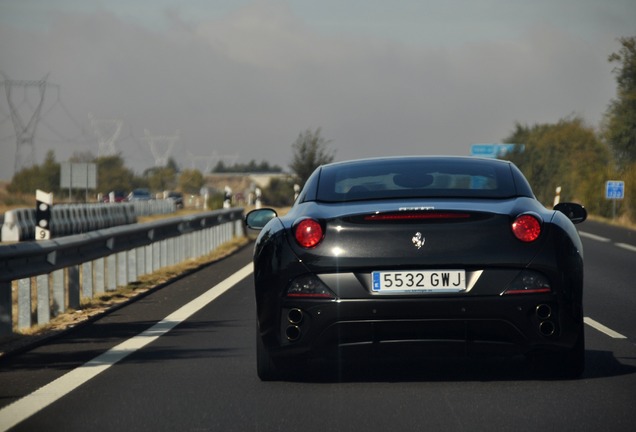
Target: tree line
[[579, 159], [112, 175]]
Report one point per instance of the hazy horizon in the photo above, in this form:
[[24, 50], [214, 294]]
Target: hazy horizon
[[240, 80]]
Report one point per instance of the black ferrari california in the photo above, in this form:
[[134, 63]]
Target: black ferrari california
[[415, 256]]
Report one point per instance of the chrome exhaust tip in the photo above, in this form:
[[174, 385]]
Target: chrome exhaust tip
[[547, 328], [543, 311], [293, 333], [295, 316]]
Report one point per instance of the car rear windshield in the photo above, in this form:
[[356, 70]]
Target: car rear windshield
[[415, 178]]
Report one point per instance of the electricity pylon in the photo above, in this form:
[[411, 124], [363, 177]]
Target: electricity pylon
[[212, 160], [24, 132], [107, 132], [209, 161], [161, 153]]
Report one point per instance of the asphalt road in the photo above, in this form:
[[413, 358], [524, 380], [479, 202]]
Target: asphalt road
[[146, 367]]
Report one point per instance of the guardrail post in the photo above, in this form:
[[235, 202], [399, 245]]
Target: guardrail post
[[212, 244], [74, 287], [141, 261], [44, 299], [170, 244], [6, 309], [148, 251], [132, 265], [156, 256], [100, 276], [111, 269], [59, 298], [87, 279], [195, 244], [24, 303], [210, 239], [163, 259], [122, 272], [193, 247], [183, 243]]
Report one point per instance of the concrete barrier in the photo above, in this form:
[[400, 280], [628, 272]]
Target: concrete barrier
[[19, 224], [70, 219]]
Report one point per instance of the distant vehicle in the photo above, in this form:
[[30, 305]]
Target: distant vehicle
[[177, 197], [115, 196], [140, 194], [416, 255]]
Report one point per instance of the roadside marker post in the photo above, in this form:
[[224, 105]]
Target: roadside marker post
[[44, 201]]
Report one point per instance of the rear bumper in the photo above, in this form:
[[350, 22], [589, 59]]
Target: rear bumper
[[423, 326]]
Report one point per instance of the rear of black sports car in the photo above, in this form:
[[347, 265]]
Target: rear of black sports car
[[418, 256]]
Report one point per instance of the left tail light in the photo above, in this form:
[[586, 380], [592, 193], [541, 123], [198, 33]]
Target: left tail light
[[308, 233], [527, 228]]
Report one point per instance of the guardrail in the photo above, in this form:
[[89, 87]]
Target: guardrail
[[69, 219], [52, 276]]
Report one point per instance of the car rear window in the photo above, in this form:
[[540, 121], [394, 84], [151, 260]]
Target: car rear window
[[414, 178]]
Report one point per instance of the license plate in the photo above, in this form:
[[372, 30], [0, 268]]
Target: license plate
[[415, 282]]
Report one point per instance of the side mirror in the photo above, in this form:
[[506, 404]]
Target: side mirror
[[257, 219], [575, 212]]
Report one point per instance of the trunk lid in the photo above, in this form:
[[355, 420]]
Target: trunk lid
[[432, 234]]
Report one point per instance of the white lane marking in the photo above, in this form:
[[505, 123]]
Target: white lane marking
[[594, 237], [626, 246], [24, 408], [606, 240], [600, 327]]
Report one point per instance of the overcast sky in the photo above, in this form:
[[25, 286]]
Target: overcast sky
[[238, 80]]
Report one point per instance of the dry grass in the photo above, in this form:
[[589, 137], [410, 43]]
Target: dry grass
[[10, 201], [623, 221]]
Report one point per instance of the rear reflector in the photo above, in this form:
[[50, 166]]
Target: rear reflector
[[528, 291], [308, 286], [317, 295], [529, 282]]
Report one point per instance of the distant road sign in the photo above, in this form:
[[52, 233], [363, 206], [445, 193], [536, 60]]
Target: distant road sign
[[492, 150], [78, 175], [615, 189], [483, 150]]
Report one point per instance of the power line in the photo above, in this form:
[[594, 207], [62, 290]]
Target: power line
[[25, 131]]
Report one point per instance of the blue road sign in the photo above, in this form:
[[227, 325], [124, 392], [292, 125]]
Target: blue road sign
[[492, 150], [615, 189], [484, 150]]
